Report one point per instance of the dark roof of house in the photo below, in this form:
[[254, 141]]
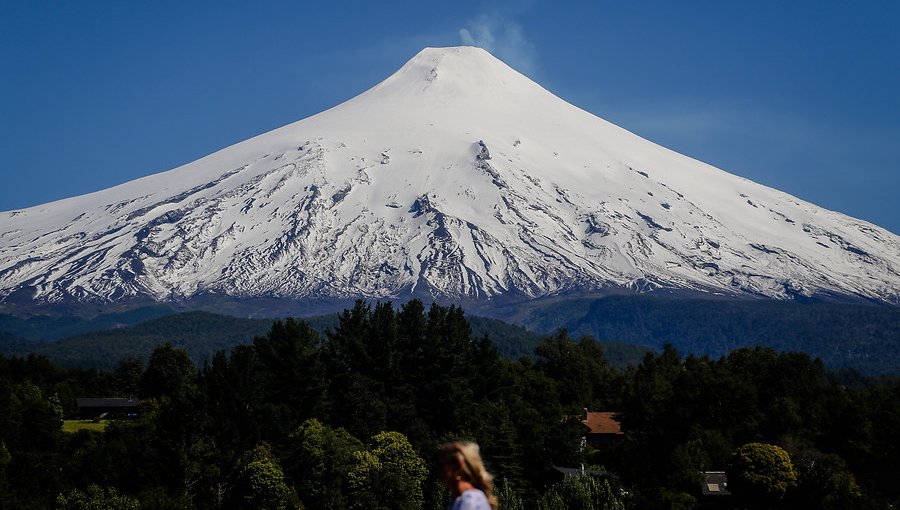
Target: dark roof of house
[[715, 483], [602, 422], [108, 402]]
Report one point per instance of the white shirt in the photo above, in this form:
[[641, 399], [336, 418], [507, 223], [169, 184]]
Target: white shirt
[[472, 499]]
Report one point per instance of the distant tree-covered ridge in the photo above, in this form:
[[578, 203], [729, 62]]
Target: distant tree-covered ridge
[[864, 337], [201, 334], [42, 328], [843, 335], [354, 419]]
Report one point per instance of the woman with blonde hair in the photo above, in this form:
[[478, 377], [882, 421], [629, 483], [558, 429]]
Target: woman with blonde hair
[[462, 471]]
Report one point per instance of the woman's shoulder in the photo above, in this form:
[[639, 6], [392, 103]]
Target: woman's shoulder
[[472, 499]]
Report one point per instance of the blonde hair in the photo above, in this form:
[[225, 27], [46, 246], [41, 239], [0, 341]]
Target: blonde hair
[[471, 467]]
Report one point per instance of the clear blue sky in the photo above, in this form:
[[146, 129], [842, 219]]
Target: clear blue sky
[[803, 96]]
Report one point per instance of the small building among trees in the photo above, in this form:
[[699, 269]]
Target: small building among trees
[[604, 429], [715, 483], [714, 493], [90, 408]]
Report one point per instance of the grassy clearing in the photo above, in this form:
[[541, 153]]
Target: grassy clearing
[[76, 425]]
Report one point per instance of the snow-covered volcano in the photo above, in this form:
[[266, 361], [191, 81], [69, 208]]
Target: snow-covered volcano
[[456, 176]]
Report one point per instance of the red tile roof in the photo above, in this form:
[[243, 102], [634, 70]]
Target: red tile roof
[[602, 422]]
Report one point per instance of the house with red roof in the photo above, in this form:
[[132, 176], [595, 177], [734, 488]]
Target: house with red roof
[[603, 428]]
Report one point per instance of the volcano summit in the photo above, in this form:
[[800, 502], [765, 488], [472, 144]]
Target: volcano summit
[[456, 178]]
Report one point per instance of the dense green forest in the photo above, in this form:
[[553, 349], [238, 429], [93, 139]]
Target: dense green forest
[[352, 418]]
